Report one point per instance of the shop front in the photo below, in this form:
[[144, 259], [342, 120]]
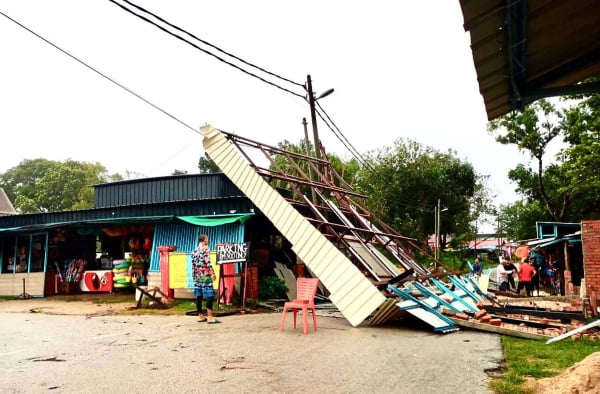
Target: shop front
[[113, 247]]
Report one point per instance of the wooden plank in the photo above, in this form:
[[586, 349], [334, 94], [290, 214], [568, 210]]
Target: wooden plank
[[497, 329], [286, 275], [549, 314], [484, 280]]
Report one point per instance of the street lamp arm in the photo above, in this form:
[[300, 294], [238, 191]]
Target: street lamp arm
[[325, 93]]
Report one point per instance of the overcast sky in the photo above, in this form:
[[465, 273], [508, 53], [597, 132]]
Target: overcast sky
[[400, 69]]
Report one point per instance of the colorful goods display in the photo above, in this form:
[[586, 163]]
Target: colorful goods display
[[71, 270], [129, 271]]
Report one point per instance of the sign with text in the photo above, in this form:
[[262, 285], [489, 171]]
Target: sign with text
[[232, 252]]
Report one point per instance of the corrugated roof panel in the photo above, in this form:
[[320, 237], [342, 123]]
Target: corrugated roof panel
[[561, 47], [164, 190], [387, 311], [323, 259]]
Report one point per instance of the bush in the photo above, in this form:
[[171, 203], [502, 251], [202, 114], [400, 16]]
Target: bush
[[271, 287]]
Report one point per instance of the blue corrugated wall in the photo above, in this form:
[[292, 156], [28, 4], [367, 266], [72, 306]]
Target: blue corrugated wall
[[185, 237]]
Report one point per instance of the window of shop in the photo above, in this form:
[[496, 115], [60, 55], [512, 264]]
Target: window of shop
[[23, 253]]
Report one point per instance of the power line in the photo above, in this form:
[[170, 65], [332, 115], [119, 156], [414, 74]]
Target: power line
[[204, 50], [211, 45], [101, 74], [342, 137]]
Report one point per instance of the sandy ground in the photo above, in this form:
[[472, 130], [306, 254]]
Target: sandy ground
[[583, 377], [69, 305], [80, 346]]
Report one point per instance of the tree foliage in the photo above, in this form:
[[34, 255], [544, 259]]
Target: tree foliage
[[405, 181], [581, 158], [300, 167], [568, 188], [41, 185], [532, 130], [207, 166]]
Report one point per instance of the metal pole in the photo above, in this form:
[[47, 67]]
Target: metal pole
[[307, 143], [313, 116], [438, 226], [475, 245], [435, 231]]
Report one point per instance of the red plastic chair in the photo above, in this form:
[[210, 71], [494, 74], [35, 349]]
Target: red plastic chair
[[306, 288]]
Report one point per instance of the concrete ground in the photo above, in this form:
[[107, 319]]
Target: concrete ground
[[80, 347]]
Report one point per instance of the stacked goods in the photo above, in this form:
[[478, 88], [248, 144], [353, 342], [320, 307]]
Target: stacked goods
[[122, 273]]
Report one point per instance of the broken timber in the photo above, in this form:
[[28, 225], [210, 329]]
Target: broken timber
[[498, 329], [162, 301]]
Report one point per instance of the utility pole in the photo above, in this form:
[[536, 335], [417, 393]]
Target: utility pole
[[438, 241], [307, 143], [435, 235], [313, 116]]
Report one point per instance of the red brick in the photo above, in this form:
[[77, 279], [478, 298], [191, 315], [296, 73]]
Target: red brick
[[485, 319]]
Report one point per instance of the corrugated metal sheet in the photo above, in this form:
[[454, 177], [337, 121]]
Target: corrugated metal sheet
[[185, 237], [141, 212], [352, 293], [521, 47], [164, 190]]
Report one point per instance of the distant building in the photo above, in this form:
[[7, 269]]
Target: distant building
[[6, 207]]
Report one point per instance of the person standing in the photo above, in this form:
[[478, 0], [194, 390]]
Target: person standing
[[538, 261], [526, 274], [511, 270], [203, 276], [477, 267]]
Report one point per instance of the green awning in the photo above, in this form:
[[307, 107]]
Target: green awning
[[210, 221]]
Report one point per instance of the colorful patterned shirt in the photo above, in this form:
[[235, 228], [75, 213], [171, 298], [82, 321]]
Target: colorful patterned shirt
[[202, 269]]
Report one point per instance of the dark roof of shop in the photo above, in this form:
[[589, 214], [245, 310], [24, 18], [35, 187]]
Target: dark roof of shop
[[150, 199], [525, 50], [176, 188]]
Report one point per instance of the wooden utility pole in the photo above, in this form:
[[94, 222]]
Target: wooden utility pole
[[307, 143], [313, 116]]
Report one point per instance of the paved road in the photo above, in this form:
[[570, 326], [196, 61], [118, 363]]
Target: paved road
[[42, 353]]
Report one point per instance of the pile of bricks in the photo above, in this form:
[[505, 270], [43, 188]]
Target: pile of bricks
[[481, 316], [550, 329]]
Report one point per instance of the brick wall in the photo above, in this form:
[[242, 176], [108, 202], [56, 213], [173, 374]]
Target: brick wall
[[590, 238]]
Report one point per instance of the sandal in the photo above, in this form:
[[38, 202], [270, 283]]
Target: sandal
[[202, 320], [214, 321]]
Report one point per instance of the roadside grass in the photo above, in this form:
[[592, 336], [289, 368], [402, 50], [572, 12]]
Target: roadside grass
[[177, 307], [536, 359]]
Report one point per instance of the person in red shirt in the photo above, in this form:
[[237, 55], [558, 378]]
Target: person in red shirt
[[526, 273]]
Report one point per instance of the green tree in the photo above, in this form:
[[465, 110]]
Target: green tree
[[404, 182], [42, 185], [207, 166], [581, 158], [567, 189], [532, 130], [518, 220], [299, 167]]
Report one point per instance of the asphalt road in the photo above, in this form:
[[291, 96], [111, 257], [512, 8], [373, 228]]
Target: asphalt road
[[43, 353]]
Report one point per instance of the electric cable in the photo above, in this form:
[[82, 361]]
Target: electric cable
[[407, 203], [342, 137], [213, 46], [101, 74], [206, 51]]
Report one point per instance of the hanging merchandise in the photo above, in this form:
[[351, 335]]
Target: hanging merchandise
[[71, 270]]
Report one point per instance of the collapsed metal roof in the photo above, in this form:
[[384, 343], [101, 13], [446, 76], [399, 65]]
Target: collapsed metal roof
[[358, 258]]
